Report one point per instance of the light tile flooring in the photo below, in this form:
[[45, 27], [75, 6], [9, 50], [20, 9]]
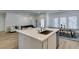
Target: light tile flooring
[[10, 41]]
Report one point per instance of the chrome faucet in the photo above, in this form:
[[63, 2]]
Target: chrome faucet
[[40, 29]]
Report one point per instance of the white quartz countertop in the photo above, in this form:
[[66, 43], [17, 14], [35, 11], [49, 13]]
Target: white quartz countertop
[[33, 32]]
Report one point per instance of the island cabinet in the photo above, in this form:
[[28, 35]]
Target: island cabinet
[[28, 40]]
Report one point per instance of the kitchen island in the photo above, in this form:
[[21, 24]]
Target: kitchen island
[[30, 38]]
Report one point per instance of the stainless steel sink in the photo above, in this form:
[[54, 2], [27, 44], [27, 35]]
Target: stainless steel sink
[[46, 32]]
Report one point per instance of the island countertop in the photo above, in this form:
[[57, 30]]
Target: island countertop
[[33, 32]]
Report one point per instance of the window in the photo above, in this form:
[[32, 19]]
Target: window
[[72, 22], [63, 21], [55, 22], [42, 22]]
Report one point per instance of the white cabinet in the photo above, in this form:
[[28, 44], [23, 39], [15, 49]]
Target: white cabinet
[[26, 42], [45, 44], [52, 42]]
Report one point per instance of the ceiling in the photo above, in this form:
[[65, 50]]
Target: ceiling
[[31, 11]]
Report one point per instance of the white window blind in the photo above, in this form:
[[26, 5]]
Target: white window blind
[[72, 22], [55, 22], [42, 22], [63, 21]]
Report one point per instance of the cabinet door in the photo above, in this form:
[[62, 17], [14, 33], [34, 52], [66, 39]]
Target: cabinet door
[[52, 42], [26, 42], [45, 44]]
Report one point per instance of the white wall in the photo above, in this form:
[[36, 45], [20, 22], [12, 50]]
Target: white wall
[[2, 22], [18, 19]]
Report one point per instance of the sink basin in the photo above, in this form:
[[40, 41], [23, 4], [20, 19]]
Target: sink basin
[[46, 32]]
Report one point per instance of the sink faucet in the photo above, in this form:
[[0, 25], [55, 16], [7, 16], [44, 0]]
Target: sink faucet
[[40, 29]]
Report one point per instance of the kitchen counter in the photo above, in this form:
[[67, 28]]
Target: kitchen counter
[[33, 32], [31, 38]]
